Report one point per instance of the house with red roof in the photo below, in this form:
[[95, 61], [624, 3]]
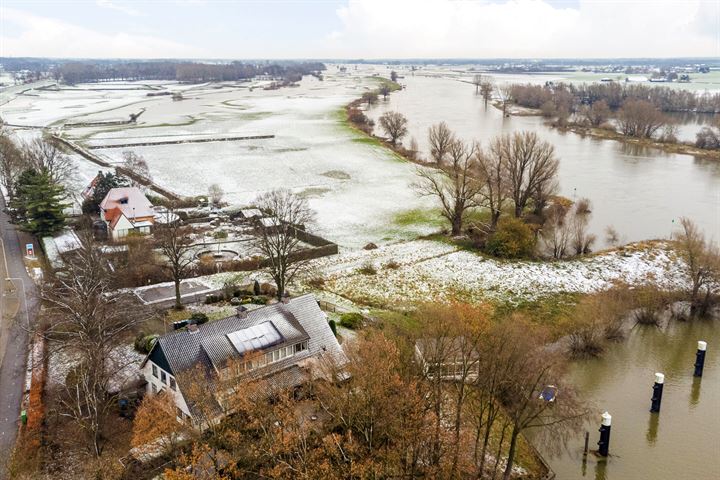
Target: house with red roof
[[125, 210]]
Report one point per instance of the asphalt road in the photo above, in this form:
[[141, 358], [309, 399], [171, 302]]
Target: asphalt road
[[14, 336]]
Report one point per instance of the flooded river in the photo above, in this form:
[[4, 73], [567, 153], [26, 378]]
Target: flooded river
[[640, 192], [683, 440]]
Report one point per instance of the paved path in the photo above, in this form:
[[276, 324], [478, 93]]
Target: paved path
[[14, 335]]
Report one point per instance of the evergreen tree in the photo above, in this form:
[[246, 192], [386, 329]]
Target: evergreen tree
[[105, 182], [38, 204]]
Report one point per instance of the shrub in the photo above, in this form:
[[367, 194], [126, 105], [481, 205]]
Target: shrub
[[367, 269], [351, 320], [220, 234], [333, 326], [258, 300], [212, 298], [512, 239], [317, 282], [392, 265], [199, 318], [144, 343]]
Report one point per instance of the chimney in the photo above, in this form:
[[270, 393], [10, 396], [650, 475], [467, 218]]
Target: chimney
[[192, 328], [241, 311], [285, 298]]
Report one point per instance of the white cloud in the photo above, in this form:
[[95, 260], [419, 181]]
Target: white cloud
[[118, 7], [46, 37], [526, 28]]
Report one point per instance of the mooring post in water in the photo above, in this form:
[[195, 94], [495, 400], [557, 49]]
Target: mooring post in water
[[700, 358], [587, 440], [604, 443], [657, 393]]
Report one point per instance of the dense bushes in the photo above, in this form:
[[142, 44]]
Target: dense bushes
[[512, 239], [144, 342], [198, 318], [351, 320]]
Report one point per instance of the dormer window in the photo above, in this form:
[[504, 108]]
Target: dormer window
[[124, 201]]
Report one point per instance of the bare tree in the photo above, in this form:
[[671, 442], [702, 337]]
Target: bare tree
[[531, 167], [12, 162], [477, 80], [557, 229], [534, 394], [394, 124], [89, 320], [582, 241], [174, 241], [44, 156], [137, 165], [505, 92], [486, 89], [280, 242], [216, 193], [455, 184], [640, 118], [491, 172], [597, 113], [440, 137], [384, 90], [702, 264]]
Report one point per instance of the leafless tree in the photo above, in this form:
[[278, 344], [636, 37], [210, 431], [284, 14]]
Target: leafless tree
[[477, 80], [702, 264], [216, 193], [535, 371], [89, 320], [394, 124], [137, 165], [531, 167], [582, 241], [557, 229], [640, 118], [440, 137], [12, 162], [505, 92], [384, 90], [174, 240], [491, 172], [44, 155], [597, 113], [280, 242], [486, 89], [455, 184]]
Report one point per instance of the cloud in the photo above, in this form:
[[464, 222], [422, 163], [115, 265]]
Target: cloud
[[46, 37], [118, 8], [526, 28]]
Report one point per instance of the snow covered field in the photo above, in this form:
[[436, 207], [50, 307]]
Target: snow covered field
[[428, 271], [356, 188]]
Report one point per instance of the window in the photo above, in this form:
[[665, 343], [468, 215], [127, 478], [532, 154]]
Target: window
[[299, 347], [154, 388], [163, 377], [172, 383], [180, 414], [155, 371]]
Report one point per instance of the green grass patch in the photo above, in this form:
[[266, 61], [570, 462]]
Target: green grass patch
[[550, 310], [419, 216]]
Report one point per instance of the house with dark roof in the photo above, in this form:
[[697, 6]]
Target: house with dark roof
[[126, 209], [281, 344]]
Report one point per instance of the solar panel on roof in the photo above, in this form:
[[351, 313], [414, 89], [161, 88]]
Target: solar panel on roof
[[256, 337]]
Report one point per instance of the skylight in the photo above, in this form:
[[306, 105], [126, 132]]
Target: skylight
[[257, 337]]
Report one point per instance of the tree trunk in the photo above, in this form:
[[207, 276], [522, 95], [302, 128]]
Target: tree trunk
[[456, 225], [511, 453], [178, 303]]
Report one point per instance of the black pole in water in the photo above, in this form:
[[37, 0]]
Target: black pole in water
[[604, 443], [700, 358], [657, 393]]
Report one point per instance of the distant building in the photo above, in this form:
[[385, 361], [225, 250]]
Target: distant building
[[279, 343], [125, 210]]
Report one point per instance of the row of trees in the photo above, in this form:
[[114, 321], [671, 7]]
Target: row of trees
[[80, 72], [391, 416], [515, 173], [614, 94]]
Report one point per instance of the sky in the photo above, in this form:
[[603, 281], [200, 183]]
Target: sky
[[350, 29]]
